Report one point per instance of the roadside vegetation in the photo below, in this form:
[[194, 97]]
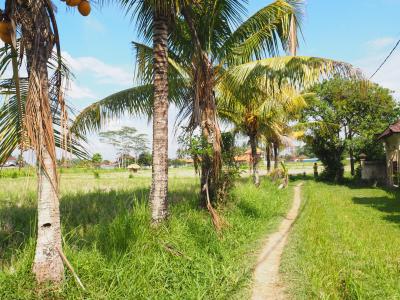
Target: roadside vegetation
[[345, 244]]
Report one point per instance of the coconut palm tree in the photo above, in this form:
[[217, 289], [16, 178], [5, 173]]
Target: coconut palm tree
[[154, 18], [257, 113], [36, 23]]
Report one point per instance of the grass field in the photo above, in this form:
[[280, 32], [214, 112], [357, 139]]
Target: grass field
[[108, 240], [345, 245]]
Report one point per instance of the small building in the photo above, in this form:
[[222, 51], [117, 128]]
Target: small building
[[188, 161], [108, 165], [10, 162], [134, 168], [391, 140], [246, 157]]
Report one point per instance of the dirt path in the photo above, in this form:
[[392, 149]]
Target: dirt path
[[267, 284]]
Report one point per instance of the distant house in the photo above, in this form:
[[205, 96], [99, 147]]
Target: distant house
[[108, 165], [391, 140], [246, 157], [188, 161], [10, 162]]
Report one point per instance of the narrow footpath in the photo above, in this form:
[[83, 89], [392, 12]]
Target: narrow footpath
[[267, 284]]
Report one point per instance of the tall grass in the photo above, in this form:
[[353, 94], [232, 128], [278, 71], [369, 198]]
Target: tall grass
[[345, 245], [117, 254]]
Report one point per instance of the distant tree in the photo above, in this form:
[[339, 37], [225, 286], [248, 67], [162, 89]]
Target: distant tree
[[305, 150], [97, 159], [176, 162], [126, 140], [345, 115], [145, 159]]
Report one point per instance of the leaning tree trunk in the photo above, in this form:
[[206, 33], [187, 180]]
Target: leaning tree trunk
[[268, 154], [159, 188], [205, 114], [39, 42], [276, 156], [254, 160], [211, 164]]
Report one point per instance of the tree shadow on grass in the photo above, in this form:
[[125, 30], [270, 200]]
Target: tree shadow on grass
[[388, 205], [111, 219]]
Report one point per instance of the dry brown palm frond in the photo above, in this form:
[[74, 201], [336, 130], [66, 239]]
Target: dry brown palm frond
[[216, 219]]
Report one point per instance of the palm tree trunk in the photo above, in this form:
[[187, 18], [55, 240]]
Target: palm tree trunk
[[36, 29], [268, 154], [276, 156], [254, 160], [48, 265], [159, 189]]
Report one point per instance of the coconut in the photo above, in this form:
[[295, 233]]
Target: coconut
[[73, 2], [5, 32], [84, 8]]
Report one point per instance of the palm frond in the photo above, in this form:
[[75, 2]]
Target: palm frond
[[264, 33]]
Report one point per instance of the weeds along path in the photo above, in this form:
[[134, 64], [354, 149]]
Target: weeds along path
[[267, 284]]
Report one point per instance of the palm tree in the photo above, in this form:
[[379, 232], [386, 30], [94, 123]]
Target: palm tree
[[36, 23], [154, 18], [258, 113]]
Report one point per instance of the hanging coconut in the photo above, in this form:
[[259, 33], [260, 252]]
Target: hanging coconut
[[73, 2], [84, 8], [5, 32]]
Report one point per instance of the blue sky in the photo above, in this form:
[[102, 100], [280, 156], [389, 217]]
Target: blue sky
[[100, 54]]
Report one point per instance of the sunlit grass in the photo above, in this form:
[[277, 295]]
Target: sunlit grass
[[345, 245], [108, 239]]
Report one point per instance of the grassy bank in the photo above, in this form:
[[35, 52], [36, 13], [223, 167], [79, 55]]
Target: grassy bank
[[345, 245], [118, 256]]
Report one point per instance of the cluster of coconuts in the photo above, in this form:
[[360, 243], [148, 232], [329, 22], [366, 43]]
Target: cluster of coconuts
[[83, 6], [6, 27], [5, 30]]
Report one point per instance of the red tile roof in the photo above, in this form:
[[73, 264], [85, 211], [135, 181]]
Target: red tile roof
[[394, 128]]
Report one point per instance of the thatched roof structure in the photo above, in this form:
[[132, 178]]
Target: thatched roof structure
[[133, 167]]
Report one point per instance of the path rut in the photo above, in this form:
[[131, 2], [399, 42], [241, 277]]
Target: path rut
[[267, 283]]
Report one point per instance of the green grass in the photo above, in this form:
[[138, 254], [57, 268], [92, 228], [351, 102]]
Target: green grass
[[345, 245], [16, 172], [108, 239]]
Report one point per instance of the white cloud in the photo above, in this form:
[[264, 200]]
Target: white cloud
[[104, 73], [94, 24], [75, 91], [381, 43], [389, 75]]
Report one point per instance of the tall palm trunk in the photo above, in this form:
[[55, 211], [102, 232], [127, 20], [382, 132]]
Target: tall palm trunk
[[268, 154], [48, 265], [254, 160], [159, 189], [276, 156]]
